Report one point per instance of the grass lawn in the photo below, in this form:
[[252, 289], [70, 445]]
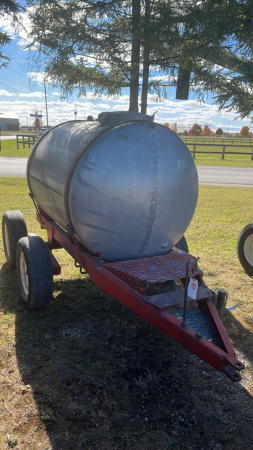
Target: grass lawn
[[87, 373], [211, 159], [9, 148]]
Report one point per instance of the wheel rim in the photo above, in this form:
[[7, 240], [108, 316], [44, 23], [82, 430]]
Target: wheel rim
[[23, 274], [6, 241], [248, 249]]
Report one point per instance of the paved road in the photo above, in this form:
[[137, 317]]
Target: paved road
[[12, 167], [223, 176], [7, 138]]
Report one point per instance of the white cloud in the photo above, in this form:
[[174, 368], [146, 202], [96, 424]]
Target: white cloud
[[103, 105], [36, 76], [6, 25], [6, 93], [185, 113], [32, 94], [39, 77], [120, 107]]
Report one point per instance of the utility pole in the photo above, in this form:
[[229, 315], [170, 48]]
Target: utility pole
[[75, 112], [46, 102]]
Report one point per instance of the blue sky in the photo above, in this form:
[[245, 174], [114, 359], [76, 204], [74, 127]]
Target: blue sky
[[22, 93]]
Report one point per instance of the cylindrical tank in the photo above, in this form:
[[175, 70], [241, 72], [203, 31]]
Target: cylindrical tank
[[126, 186]]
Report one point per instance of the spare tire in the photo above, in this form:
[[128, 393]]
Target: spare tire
[[245, 249]]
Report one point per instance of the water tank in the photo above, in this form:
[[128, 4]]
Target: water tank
[[126, 185]]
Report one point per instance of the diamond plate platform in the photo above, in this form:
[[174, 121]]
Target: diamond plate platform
[[140, 273], [198, 320]]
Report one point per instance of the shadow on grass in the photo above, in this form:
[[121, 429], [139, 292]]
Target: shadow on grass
[[104, 379]]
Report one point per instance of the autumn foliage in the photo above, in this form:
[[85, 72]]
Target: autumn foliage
[[195, 130], [206, 131], [244, 131]]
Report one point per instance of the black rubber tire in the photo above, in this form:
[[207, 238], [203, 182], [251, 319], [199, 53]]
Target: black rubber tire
[[34, 270], [245, 249], [182, 245], [13, 229]]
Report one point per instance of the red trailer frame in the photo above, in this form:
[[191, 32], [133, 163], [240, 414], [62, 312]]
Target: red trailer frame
[[194, 324]]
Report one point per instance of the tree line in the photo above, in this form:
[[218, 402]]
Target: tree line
[[197, 130]]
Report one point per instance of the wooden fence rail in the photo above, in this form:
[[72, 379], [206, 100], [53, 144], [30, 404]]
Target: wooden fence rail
[[215, 139], [26, 139], [194, 151]]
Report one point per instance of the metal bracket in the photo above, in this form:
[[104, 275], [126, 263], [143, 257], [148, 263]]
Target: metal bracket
[[82, 271]]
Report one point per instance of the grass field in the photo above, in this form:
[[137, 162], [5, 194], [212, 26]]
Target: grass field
[[86, 373], [9, 148]]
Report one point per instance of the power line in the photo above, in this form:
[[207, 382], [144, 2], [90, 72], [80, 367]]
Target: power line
[[14, 60], [24, 76], [10, 87], [11, 81]]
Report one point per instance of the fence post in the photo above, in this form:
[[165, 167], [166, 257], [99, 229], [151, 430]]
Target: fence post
[[17, 142], [223, 152], [194, 149], [252, 155]]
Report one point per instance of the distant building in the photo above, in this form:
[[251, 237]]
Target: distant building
[[9, 121]]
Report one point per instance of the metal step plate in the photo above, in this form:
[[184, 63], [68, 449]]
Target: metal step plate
[[199, 321], [140, 273]]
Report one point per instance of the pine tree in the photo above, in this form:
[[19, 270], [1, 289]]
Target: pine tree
[[105, 46], [11, 8]]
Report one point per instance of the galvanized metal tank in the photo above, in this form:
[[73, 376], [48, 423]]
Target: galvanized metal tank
[[127, 186]]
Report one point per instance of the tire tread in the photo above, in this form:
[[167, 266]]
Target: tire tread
[[17, 229], [39, 270]]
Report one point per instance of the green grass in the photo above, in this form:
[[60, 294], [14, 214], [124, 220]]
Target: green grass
[[9, 148], [86, 373], [215, 160]]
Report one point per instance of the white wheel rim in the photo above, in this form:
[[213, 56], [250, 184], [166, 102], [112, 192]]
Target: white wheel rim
[[23, 274], [6, 240], [248, 249]]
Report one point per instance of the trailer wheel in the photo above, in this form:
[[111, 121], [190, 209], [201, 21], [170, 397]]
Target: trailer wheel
[[182, 245], [34, 269], [13, 229], [245, 249]]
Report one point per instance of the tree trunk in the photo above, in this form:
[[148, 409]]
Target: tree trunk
[[135, 56], [145, 77]]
